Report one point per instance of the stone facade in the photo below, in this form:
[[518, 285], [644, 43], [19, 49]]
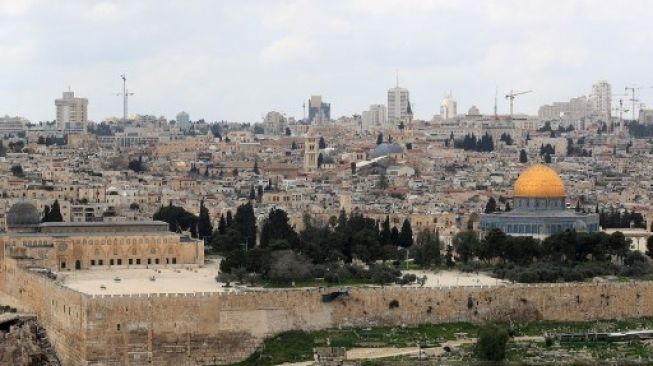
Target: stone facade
[[70, 246]]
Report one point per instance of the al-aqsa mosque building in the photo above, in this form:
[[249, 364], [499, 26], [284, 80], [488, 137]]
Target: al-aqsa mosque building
[[539, 208]]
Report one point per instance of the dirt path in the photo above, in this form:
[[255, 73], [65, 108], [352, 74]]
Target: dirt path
[[362, 353]]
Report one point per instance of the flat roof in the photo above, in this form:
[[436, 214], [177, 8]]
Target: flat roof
[[103, 223], [139, 280]]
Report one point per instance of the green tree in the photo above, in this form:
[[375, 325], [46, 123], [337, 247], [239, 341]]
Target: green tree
[[137, 165], [491, 343], [449, 256], [383, 181], [427, 249], [394, 236], [491, 205], [649, 246], [17, 170], [256, 170], [222, 225], [259, 193], [55, 213], [320, 160], [523, 157], [229, 218], [547, 158], [406, 234], [177, 218], [379, 138], [204, 226], [277, 227], [46, 214], [466, 244], [493, 245], [245, 223], [384, 235]]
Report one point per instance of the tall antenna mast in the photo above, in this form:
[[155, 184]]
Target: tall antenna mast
[[496, 91], [125, 97], [397, 76]]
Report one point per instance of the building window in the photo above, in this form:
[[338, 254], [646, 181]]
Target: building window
[[149, 261], [131, 261], [63, 265], [156, 261], [174, 260], [138, 261], [100, 262], [111, 262], [92, 262], [118, 327]]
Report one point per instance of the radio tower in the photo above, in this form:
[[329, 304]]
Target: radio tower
[[125, 97]]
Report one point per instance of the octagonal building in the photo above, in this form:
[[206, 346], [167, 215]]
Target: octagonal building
[[539, 208]]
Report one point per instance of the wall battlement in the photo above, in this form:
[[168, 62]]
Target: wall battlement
[[224, 327]]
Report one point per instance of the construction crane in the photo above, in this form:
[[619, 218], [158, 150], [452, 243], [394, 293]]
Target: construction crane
[[512, 96], [621, 109], [632, 99], [125, 96]]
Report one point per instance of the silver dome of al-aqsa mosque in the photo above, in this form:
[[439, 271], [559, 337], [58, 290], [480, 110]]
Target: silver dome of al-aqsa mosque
[[23, 213], [386, 149]]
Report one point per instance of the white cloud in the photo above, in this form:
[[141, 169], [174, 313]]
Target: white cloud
[[530, 57], [205, 56], [10, 8], [291, 47], [103, 11]]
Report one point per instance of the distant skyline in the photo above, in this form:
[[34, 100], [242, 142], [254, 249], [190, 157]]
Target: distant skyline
[[237, 60]]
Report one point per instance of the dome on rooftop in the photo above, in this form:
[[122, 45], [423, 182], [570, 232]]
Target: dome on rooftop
[[539, 181], [23, 213], [386, 149]]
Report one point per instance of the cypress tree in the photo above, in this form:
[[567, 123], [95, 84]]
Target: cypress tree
[[46, 214], [204, 226], [394, 236], [406, 235], [222, 225], [55, 213], [385, 231]]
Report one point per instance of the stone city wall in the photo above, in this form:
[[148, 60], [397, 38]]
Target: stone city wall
[[219, 328], [214, 328], [60, 310]]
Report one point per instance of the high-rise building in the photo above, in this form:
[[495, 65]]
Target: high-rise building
[[398, 100], [375, 116], [574, 109], [318, 111], [274, 123], [9, 125], [602, 99], [72, 113], [448, 107], [183, 121]]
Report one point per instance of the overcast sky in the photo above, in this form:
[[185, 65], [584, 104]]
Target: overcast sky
[[236, 60]]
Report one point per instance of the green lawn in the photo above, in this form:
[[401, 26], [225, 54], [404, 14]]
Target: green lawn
[[297, 346]]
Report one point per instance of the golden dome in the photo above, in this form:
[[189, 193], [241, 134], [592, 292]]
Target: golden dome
[[539, 181]]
